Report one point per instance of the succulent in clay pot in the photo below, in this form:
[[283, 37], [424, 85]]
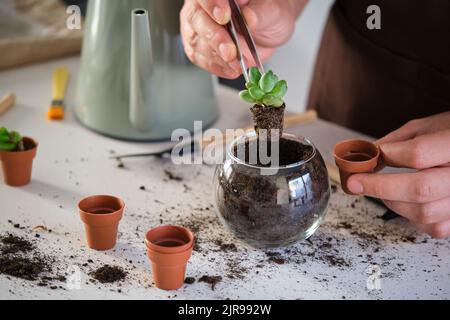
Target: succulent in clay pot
[[16, 154], [266, 92], [275, 203]]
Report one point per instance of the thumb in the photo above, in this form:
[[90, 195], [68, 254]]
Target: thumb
[[269, 21]]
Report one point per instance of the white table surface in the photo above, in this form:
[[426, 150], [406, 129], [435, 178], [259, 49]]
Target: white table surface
[[73, 162]]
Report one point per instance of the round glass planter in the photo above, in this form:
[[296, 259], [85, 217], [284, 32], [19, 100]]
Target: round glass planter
[[272, 206]]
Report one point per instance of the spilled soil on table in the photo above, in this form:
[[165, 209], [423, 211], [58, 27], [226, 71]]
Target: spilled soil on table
[[20, 258], [109, 274]]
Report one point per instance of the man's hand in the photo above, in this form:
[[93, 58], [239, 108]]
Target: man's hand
[[208, 44], [423, 196]]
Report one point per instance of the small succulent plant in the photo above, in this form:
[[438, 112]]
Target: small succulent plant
[[10, 140], [264, 89]]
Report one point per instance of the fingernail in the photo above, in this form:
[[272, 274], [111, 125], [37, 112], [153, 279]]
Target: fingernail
[[218, 14], [355, 186], [225, 51]]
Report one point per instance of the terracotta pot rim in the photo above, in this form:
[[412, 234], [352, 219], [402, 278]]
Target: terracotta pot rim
[[170, 253], [342, 160], [169, 250], [105, 215]]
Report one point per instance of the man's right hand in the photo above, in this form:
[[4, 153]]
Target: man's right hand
[[208, 44]]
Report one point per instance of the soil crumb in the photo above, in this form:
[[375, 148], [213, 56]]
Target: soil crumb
[[225, 247], [171, 176], [212, 280], [109, 274], [189, 280]]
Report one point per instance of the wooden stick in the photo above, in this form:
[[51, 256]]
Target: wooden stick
[[7, 103], [289, 122], [333, 173], [300, 118]]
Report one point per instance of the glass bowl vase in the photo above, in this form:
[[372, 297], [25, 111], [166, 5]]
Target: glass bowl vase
[[272, 206]]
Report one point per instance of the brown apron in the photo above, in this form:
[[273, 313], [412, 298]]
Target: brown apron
[[374, 81]]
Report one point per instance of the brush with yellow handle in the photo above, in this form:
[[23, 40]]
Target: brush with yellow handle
[[60, 79]]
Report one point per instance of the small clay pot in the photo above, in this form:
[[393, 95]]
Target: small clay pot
[[17, 165], [169, 249], [355, 156], [101, 215]]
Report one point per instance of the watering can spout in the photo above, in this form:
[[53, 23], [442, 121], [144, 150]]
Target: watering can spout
[[140, 69]]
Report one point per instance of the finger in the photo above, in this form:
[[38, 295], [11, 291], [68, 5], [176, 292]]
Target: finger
[[218, 10], [217, 36], [438, 230], [264, 53], [424, 151], [230, 69], [426, 213], [213, 66], [269, 23], [407, 131], [417, 187]]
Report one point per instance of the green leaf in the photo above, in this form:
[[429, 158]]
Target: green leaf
[[256, 93], [8, 146], [4, 131], [278, 103], [268, 81], [15, 137], [272, 101], [280, 89], [254, 75], [245, 95], [249, 85]]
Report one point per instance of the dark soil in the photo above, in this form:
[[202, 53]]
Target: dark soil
[[22, 267], [189, 280], [225, 247], [289, 152], [14, 244], [109, 274], [268, 118], [171, 176], [277, 260], [250, 202], [212, 280], [26, 144]]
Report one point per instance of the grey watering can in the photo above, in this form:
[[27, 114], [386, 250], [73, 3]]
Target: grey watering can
[[135, 82]]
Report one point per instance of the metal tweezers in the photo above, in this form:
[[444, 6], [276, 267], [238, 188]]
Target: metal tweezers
[[238, 25]]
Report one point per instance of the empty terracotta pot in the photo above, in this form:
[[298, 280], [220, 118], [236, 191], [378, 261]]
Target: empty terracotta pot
[[17, 165], [101, 215], [355, 156], [169, 249]]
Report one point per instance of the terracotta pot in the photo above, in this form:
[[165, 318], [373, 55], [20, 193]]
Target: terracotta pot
[[355, 156], [101, 215], [169, 249], [17, 165]]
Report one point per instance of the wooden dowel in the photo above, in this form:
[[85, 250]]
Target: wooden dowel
[[289, 122], [333, 173], [300, 118], [7, 103]]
